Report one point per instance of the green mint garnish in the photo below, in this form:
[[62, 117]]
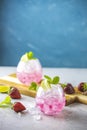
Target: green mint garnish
[[28, 56], [48, 78], [46, 83], [33, 86], [85, 86], [6, 102], [55, 80]]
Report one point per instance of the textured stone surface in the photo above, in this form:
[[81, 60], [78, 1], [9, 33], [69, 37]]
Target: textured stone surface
[[73, 117]]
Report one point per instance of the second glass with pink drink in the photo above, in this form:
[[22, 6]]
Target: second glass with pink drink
[[50, 98]]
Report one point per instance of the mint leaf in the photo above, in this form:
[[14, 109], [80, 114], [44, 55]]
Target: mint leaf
[[47, 77], [33, 86], [30, 55], [55, 80], [6, 102]]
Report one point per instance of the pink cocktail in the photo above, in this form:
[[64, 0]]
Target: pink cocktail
[[29, 70], [52, 101]]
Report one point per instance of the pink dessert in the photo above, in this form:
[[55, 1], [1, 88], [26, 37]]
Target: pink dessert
[[29, 69], [52, 101]]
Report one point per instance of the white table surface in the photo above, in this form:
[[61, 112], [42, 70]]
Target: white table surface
[[73, 117]]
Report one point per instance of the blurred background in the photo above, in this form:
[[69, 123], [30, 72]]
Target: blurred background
[[55, 30]]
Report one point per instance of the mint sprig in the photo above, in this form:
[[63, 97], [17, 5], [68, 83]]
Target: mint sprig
[[28, 56], [46, 83], [54, 80], [33, 86]]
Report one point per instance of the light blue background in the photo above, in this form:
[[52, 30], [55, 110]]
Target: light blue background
[[55, 30]]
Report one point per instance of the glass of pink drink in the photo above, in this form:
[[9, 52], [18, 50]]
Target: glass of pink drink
[[51, 101], [29, 69]]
